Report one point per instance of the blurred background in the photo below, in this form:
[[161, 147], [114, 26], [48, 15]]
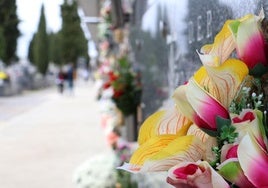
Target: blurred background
[[78, 78]]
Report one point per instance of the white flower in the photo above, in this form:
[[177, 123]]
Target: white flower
[[98, 171]]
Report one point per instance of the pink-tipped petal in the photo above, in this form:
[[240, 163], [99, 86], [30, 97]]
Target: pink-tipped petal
[[251, 45], [254, 161], [206, 107], [192, 175], [250, 122]]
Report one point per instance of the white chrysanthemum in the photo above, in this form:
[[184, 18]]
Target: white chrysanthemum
[[99, 171]]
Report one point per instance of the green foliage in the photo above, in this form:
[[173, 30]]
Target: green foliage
[[40, 52], [10, 33], [73, 40], [127, 89], [124, 179], [2, 44], [258, 70], [227, 135], [55, 48], [31, 49]]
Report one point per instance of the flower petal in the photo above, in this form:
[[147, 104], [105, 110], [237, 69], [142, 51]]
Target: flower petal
[[232, 172], [207, 108], [181, 101], [201, 176], [163, 122], [162, 152], [222, 47], [147, 129], [250, 122], [207, 140], [251, 47], [222, 79], [147, 150], [226, 79], [184, 148], [172, 123], [254, 161]]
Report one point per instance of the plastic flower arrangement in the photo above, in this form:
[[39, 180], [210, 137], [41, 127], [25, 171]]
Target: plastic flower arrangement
[[216, 134], [126, 87]]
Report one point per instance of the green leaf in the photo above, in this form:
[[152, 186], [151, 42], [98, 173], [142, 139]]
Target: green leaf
[[221, 122], [258, 70]]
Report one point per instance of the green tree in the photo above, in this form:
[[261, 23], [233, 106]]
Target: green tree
[[9, 23], [31, 50], [40, 46], [55, 48], [2, 44], [73, 40]]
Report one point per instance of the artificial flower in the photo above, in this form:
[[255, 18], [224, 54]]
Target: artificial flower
[[162, 152], [229, 151], [215, 54], [231, 146], [250, 42], [206, 107], [203, 98], [193, 175], [244, 34], [163, 141], [250, 122], [253, 161]]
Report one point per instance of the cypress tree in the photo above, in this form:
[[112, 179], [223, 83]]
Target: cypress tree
[[73, 40], [54, 48], [31, 50], [2, 44], [9, 22], [40, 46]]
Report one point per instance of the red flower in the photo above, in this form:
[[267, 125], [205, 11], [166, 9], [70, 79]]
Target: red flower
[[118, 93], [106, 85], [112, 76]]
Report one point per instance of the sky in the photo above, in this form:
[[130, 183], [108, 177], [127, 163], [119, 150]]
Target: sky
[[29, 14]]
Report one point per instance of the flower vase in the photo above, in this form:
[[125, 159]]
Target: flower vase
[[129, 131]]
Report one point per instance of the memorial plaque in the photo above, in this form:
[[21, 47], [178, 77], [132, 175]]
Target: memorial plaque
[[165, 45]]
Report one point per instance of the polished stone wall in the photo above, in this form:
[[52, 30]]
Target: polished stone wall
[[166, 41]]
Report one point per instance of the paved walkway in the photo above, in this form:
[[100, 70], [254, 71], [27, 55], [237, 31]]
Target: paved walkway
[[42, 145]]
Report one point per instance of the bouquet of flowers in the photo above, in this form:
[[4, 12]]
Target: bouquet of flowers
[[126, 87], [215, 136]]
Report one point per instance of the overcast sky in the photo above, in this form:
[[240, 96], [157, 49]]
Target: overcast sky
[[29, 13]]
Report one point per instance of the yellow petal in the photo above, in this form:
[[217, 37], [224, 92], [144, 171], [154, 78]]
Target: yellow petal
[[218, 52], [196, 131], [150, 148], [173, 122], [207, 140], [147, 129], [223, 79], [185, 148], [163, 122], [226, 79], [222, 47], [202, 78]]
